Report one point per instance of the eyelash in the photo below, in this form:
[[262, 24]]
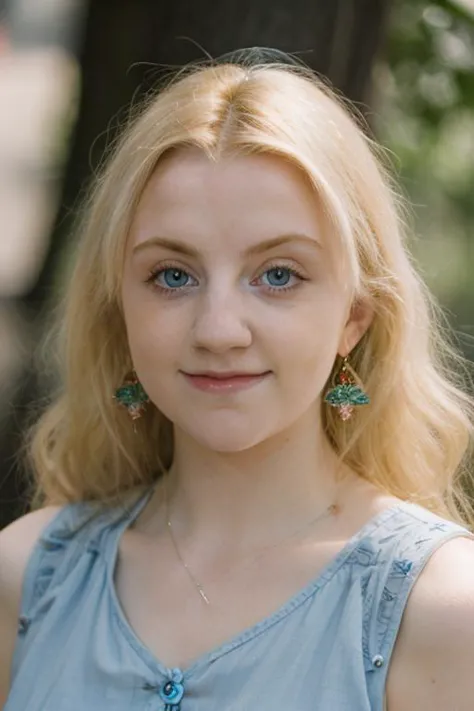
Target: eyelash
[[170, 292]]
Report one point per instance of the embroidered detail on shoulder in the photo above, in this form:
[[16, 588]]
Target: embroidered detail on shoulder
[[366, 554], [401, 567], [414, 533]]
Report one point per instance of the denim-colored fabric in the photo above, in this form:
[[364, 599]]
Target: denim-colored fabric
[[326, 649]]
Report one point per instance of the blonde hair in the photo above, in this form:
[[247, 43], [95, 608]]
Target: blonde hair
[[412, 441]]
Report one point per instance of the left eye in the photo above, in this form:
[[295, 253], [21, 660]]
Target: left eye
[[278, 276]]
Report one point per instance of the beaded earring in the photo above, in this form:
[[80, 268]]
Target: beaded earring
[[132, 396], [348, 393]]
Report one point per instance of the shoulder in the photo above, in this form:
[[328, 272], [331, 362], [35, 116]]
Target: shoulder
[[16, 545], [431, 667]]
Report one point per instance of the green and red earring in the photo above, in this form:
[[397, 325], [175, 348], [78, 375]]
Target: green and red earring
[[132, 396], [348, 392]]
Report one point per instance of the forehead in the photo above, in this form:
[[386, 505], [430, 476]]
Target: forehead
[[190, 169], [251, 197]]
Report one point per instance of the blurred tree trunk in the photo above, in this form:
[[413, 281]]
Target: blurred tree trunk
[[126, 45]]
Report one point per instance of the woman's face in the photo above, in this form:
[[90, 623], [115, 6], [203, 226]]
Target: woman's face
[[231, 269]]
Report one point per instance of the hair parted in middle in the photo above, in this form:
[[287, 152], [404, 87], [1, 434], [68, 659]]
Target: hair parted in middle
[[413, 439]]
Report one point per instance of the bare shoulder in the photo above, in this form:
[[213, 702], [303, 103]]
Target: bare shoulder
[[431, 668], [16, 545]]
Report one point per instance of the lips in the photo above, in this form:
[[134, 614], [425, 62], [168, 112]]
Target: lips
[[230, 381], [227, 375]]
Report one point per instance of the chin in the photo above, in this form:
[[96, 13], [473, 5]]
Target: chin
[[226, 439]]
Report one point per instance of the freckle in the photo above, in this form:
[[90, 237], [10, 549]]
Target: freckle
[[433, 680]]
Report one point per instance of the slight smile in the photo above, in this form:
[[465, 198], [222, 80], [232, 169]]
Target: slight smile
[[215, 382]]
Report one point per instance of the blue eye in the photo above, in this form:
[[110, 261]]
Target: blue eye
[[172, 278], [175, 277], [278, 276]]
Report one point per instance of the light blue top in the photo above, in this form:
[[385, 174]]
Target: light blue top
[[326, 649]]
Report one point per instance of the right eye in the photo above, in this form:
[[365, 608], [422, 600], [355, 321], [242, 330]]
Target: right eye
[[171, 279]]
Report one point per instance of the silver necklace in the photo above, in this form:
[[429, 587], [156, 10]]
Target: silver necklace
[[330, 510], [195, 582]]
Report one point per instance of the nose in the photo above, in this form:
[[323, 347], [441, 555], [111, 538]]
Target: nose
[[220, 323]]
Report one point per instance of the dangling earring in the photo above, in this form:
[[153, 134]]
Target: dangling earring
[[132, 396], [348, 393]]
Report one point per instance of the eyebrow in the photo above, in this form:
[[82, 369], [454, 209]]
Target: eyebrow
[[189, 251]]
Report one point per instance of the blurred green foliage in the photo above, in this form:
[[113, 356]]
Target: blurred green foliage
[[426, 119]]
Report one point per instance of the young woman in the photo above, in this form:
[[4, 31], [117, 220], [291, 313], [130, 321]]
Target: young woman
[[249, 486]]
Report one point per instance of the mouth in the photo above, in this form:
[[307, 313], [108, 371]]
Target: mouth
[[218, 382]]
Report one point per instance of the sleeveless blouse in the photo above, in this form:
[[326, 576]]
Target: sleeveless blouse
[[327, 648]]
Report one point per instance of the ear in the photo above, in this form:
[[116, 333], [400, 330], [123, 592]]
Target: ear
[[360, 317]]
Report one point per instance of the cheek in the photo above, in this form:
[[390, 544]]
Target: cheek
[[153, 329], [155, 341], [306, 350], [309, 335]]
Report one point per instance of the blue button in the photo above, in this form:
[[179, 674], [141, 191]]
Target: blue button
[[378, 661], [172, 692], [23, 624]]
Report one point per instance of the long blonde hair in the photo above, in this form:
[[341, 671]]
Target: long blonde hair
[[413, 439]]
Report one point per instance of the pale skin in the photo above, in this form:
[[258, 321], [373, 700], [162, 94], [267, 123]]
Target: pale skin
[[250, 467]]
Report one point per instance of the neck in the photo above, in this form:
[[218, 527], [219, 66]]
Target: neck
[[255, 496]]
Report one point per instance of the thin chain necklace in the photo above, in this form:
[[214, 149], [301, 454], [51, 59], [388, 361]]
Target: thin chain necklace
[[194, 581], [330, 510]]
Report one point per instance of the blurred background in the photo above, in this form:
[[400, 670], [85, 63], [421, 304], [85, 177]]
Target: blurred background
[[69, 70]]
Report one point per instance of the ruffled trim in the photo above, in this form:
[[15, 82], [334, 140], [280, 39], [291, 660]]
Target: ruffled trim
[[76, 529], [65, 533]]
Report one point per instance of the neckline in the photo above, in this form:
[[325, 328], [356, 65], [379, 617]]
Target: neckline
[[293, 602]]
